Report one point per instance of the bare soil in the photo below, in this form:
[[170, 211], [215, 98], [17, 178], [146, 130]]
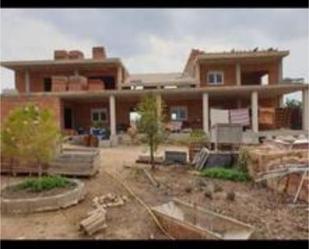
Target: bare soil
[[268, 211]]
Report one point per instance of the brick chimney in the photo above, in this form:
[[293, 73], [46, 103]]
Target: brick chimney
[[98, 53], [61, 55], [75, 55]]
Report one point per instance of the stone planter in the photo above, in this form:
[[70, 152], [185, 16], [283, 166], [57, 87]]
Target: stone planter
[[47, 203]]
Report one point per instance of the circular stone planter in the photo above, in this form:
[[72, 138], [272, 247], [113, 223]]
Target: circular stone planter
[[46, 203]]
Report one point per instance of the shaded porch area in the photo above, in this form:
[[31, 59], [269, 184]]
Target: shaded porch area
[[189, 107]]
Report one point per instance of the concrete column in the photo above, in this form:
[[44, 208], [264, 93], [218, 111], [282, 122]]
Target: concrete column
[[205, 112], [238, 74], [197, 73], [119, 77], [254, 109], [112, 114], [280, 71], [27, 81], [305, 97]]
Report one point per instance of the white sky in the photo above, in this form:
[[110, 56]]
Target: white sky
[[153, 40]]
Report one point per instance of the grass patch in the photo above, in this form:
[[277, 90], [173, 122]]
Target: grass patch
[[226, 174], [44, 183]]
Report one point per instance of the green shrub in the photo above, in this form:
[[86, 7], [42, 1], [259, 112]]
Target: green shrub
[[243, 158], [30, 134], [198, 136], [226, 174], [44, 183]]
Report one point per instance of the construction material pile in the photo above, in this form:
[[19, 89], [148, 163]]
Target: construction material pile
[[96, 219], [281, 169], [288, 143]]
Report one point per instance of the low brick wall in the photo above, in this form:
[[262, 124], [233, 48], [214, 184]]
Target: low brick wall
[[265, 159], [39, 204], [9, 103]]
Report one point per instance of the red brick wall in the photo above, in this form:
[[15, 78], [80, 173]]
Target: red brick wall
[[9, 103], [194, 108], [271, 67], [37, 78], [229, 71], [82, 112]]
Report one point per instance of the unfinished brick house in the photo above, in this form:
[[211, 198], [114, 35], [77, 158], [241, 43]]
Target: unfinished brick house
[[82, 90]]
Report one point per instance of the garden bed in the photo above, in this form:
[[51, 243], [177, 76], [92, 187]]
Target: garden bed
[[15, 199]]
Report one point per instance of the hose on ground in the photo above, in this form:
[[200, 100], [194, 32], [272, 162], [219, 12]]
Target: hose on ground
[[116, 177]]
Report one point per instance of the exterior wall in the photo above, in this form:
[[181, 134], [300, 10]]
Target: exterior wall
[[194, 108], [229, 71], [37, 78], [9, 103], [271, 67], [82, 113], [123, 111]]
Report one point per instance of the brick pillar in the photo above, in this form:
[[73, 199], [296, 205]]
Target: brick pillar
[[238, 74], [254, 108], [27, 81], [305, 97], [205, 112]]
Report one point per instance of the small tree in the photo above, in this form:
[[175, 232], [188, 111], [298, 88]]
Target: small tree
[[293, 103], [30, 135], [150, 123]]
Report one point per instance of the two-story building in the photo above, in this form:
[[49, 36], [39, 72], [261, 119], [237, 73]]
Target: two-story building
[[83, 90]]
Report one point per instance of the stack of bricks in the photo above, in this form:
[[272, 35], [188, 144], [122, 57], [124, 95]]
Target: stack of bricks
[[265, 160], [283, 118], [61, 55], [75, 55], [98, 53], [77, 83], [95, 85], [59, 83]]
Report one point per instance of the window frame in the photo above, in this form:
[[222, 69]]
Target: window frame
[[99, 111], [215, 73], [184, 108]]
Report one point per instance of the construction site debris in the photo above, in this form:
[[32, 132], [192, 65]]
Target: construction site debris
[[146, 159], [94, 222], [230, 196], [200, 158], [153, 181], [96, 218], [280, 169], [173, 157], [188, 220]]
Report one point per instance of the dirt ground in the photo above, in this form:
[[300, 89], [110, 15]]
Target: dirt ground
[[267, 211]]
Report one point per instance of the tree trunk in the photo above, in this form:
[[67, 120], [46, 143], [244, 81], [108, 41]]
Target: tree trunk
[[151, 154]]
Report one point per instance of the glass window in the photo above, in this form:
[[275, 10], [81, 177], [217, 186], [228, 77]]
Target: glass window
[[99, 115], [211, 78], [214, 77], [179, 113], [95, 116]]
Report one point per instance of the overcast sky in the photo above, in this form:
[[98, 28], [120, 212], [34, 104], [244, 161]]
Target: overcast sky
[[153, 40]]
